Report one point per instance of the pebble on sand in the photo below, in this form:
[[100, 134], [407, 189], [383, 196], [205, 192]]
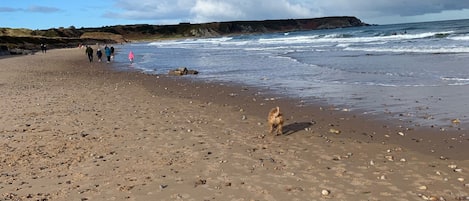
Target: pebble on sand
[[325, 192]]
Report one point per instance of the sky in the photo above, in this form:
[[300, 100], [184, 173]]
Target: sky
[[45, 14]]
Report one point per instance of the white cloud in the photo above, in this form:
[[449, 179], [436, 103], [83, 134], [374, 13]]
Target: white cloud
[[8, 9], [151, 10], [395, 7], [216, 10], [34, 9], [43, 9], [198, 11], [396, 11], [209, 10]]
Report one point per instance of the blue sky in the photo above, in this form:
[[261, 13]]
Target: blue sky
[[44, 14]]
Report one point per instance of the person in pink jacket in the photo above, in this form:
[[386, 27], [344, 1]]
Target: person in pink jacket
[[131, 57]]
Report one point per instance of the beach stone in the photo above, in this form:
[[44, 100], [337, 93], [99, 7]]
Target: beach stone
[[390, 158], [335, 131], [423, 188], [200, 182], [325, 192], [431, 198], [453, 166], [456, 121]]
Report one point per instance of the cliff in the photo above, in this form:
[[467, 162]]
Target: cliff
[[267, 26], [214, 29], [71, 37]]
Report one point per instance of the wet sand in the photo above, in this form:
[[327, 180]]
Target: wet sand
[[74, 130]]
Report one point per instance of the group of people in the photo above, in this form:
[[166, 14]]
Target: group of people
[[108, 51]]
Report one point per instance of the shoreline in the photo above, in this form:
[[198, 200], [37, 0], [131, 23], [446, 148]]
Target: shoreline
[[321, 119], [316, 116], [74, 130]]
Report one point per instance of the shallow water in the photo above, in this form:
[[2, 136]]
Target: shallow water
[[414, 72]]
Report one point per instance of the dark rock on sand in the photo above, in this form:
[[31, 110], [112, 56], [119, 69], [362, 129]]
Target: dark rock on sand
[[183, 71]]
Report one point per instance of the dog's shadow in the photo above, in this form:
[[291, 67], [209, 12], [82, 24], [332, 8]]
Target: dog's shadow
[[295, 127]]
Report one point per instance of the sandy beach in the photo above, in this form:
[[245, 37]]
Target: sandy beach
[[75, 130]]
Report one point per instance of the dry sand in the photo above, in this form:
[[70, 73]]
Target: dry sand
[[74, 130]]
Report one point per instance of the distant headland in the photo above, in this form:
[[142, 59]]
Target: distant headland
[[21, 41]]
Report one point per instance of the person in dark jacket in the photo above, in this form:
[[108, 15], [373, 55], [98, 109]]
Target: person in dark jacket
[[43, 48], [89, 52], [112, 53], [99, 53]]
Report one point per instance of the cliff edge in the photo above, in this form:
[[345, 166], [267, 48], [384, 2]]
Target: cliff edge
[[71, 37], [268, 26]]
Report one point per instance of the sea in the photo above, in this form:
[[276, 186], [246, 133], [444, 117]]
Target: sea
[[415, 72]]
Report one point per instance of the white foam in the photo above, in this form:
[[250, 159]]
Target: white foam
[[421, 49], [460, 38]]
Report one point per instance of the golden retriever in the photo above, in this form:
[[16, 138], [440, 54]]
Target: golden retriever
[[275, 120]]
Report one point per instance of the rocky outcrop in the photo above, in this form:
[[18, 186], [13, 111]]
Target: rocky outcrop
[[183, 71], [28, 45], [18, 51], [4, 50], [205, 32]]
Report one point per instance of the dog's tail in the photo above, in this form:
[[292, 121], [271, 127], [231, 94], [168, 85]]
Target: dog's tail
[[277, 113]]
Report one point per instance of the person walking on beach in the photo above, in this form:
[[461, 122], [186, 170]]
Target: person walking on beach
[[43, 48], [131, 57], [89, 52], [99, 53], [112, 53], [107, 51]]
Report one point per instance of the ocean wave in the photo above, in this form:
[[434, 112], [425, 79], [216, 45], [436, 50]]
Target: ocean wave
[[456, 81], [376, 83], [289, 40], [217, 40], [441, 35], [351, 41], [460, 38], [350, 38], [339, 35], [421, 49]]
